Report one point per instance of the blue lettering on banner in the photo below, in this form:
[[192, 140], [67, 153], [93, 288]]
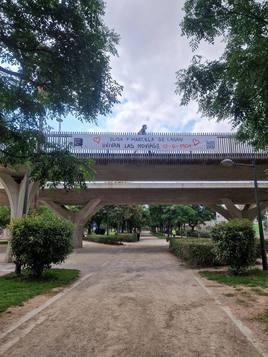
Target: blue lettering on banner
[[78, 142], [210, 145]]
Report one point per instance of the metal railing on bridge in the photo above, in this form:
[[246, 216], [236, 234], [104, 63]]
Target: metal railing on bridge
[[156, 146]]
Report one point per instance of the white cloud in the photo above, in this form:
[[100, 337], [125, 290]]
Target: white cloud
[[151, 50], [205, 125]]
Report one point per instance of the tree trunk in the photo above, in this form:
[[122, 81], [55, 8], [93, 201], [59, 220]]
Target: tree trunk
[[18, 269]]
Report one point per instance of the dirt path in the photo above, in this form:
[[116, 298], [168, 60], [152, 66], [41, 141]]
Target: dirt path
[[139, 301]]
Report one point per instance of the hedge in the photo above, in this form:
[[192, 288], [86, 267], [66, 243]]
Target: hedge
[[112, 239], [194, 251], [197, 234], [235, 243]]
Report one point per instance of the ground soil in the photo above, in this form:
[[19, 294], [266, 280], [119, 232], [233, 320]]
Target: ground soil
[[245, 304], [139, 301]]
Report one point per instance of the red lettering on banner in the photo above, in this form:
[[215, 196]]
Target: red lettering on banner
[[97, 139], [185, 146]]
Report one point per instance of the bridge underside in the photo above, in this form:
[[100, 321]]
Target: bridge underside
[[153, 196], [147, 196], [222, 199], [174, 171], [168, 170]]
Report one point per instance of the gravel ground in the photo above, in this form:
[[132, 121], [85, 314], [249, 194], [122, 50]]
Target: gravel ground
[[139, 301]]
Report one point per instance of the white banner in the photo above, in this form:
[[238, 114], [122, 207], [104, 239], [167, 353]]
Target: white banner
[[148, 142]]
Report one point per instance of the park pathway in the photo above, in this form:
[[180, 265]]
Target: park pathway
[[139, 301]]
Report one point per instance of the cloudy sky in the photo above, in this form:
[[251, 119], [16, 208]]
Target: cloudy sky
[[151, 50]]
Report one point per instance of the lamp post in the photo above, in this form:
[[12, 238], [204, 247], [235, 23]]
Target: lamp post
[[231, 163], [59, 120]]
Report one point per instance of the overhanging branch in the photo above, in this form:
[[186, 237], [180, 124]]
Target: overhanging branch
[[22, 77], [11, 73]]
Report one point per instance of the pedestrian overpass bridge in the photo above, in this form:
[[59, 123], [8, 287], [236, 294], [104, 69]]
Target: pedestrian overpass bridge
[[170, 168]]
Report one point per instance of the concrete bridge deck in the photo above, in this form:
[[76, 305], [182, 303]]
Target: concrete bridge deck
[[172, 168], [153, 192]]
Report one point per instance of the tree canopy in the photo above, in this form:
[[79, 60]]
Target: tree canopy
[[4, 216], [120, 217], [167, 216], [54, 61], [234, 86]]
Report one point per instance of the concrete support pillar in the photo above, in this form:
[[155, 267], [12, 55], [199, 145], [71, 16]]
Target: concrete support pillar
[[230, 211], [234, 211], [221, 210], [79, 219], [16, 192], [251, 212], [78, 234]]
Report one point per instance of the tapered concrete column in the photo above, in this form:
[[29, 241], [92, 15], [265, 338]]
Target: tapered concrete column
[[78, 234], [79, 219], [16, 192], [222, 211], [231, 211], [234, 211], [251, 212]]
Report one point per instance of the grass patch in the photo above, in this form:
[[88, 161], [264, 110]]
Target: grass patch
[[253, 278], [263, 317], [14, 290], [242, 302], [159, 235], [259, 291]]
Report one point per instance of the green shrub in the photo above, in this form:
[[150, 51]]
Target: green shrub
[[196, 252], [104, 239], [235, 244], [38, 242], [197, 234], [127, 237], [112, 239], [100, 231]]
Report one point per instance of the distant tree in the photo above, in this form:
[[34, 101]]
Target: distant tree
[[168, 216], [120, 217], [133, 217], [156, 217], [234, 86], [145, 217], [199, 214], [4, 216], [54, 61]]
